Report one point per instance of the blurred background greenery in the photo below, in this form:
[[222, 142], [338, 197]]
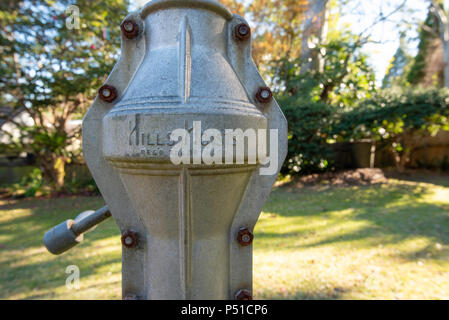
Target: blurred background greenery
[[362, 84], [344, 110]]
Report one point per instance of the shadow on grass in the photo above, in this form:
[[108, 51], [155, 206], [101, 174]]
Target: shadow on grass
[[27, 230], [23, 231], [436, 178], [394, 213], [331, 293]]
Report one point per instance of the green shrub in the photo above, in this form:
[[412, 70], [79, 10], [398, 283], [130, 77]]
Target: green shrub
[[393, 118], [79, 186], [309, 128], [33, 185], [397, 119]]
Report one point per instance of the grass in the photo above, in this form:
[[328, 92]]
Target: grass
[[388, 241]]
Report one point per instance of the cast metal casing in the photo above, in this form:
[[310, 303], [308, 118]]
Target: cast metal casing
[[185, 63]]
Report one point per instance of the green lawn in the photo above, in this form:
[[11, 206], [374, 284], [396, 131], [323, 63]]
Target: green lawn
[[387, 241]]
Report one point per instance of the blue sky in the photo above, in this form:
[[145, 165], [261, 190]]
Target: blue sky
[[361, 14]]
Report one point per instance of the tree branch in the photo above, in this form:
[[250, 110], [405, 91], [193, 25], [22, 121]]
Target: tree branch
[[383, 18]]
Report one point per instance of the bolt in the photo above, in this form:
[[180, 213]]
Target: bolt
[[129, 239], [107, 93], [243, 295], [242, 31], [130, 29], [245, 237], [264, 95]]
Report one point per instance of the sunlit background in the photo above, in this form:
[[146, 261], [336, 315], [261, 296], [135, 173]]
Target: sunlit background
[[360, 209], [359, 15]]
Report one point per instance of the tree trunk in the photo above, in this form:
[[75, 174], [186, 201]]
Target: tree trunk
[[401, 160], [446, 62], [444, 34], [315, 32], [407, 141], [53, 170]]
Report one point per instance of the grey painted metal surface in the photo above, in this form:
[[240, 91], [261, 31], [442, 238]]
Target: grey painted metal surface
[[69, 233], [186, 228]]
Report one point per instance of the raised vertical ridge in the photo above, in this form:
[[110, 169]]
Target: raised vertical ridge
[[185, 233], [185, 59], [189, 234]]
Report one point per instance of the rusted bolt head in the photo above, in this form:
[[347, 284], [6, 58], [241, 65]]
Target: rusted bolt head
[[264, 95], [107, 93], [243, 295], [242, 31], [245, 237], [129, 239], [130, 29]]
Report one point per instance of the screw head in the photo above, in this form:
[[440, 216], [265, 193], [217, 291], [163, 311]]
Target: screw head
[[243, 294], [129, 239], [264, 95], [245, 237], [242, 31], [130, 29], [107, 93]]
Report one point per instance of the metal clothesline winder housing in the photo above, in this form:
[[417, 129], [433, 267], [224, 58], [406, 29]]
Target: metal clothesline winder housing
[[186, 228]]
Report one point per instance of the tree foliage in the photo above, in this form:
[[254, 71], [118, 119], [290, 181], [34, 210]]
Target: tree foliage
[[428, 34], [52, 72], [278, 29], [346, 76], [397, 71]]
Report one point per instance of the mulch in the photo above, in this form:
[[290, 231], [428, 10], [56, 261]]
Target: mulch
[[357, 177]]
